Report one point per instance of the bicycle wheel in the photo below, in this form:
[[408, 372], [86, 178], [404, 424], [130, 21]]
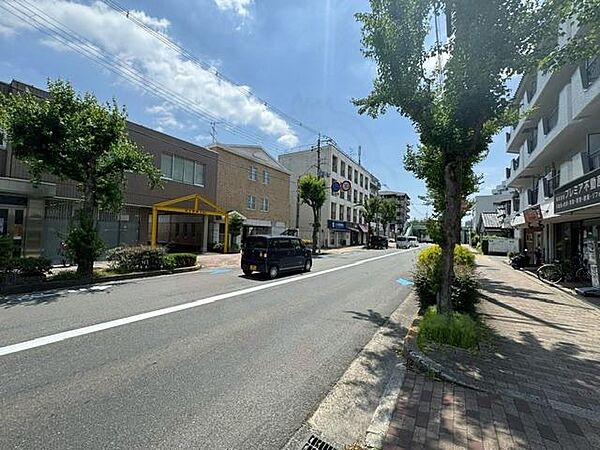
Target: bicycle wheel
[[583, 274], [550, 272]]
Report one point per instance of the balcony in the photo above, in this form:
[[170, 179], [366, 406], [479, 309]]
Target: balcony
[[550, 183], [508, 173], [532, 140], [550, 122]]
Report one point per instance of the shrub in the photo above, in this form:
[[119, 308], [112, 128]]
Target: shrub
[[65, 275], [139, 258], [176, 260], [457, 330], [427, 278], [31, 267], [215, 247], [6, 251], [465, 291]]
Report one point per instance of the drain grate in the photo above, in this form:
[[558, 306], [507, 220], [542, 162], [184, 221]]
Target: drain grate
[[314, 443]]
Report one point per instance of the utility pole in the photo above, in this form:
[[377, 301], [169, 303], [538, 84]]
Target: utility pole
[[213, 132], [319, 156]]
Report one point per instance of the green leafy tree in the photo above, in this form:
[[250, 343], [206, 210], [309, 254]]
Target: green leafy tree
[[458, 111], [75, 137], [389, 210], [371, 211], [313, 192], [236, 222]]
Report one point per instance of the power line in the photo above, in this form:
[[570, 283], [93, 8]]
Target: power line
[[68, 37], [190, 56]]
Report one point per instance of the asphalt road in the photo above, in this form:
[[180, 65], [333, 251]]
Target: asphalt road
[[232, 372]]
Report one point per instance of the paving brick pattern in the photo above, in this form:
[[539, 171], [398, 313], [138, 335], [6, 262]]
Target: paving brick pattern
[[540, 377]]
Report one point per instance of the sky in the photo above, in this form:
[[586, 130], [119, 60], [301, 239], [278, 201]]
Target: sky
[[269, 72]]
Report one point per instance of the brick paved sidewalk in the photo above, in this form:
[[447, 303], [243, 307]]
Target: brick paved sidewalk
[[542, 375]]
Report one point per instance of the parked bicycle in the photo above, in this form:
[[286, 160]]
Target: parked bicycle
[[558, 271]]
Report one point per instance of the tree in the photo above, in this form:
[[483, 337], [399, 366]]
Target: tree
[[457, 109], [313, 192], [236, 222], [75, 137], [389, 210], [371, 210]]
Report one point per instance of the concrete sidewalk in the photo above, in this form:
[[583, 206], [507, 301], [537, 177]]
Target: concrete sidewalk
[[538, 380]]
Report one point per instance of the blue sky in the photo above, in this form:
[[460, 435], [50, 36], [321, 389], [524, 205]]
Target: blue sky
[[302, 57]]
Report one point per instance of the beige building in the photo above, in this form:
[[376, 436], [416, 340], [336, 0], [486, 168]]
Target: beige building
[[255, 185]]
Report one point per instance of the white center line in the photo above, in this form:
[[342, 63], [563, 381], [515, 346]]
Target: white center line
[[52, 338]]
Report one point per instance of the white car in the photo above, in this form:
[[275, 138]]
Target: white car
[[413, 241], [402, 242]]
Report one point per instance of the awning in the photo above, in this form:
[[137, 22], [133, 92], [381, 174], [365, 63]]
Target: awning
[[363, 227], [353, 229]]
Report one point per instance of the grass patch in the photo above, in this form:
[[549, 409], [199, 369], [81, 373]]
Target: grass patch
[[456, 330]]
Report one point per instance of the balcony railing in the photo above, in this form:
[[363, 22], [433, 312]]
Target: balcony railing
[[550, 184], [508, 173], [515, 162], [592, 71]]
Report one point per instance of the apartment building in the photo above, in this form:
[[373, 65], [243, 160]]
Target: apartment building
[[255, 185], [403, 211], [38, 217], [556, 165], [342, 221]]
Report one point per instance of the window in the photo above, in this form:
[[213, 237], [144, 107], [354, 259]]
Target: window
[[354, 216], [284, 243], [333, 211], [181, 169], [251, 202], [594, 150], [264, 206], [350, 173], [188, 171], [355, 196], [166, 165], [341, 212], [348, 214], [361, 198], [356, 177], [366, 183], [266, 177], [361, 180], [178, 169], [334, 164], [342, 195], [199, 174], [343, 169], [252, 173]]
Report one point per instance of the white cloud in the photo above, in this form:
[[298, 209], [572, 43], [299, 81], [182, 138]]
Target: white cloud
[[240, 7], [165, 117], [114, 34]]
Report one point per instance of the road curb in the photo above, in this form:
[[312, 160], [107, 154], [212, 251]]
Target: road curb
[[53, 285], [383, 414], [339, 400]]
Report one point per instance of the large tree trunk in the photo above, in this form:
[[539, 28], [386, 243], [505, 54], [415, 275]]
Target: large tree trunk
[[315, 233], [451, 233], [86, 247]]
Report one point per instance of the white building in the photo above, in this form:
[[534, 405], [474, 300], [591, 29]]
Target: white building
[[402, 213], [556, 164], [342, 220]]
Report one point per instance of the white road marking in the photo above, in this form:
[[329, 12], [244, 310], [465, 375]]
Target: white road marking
[[53, 338]]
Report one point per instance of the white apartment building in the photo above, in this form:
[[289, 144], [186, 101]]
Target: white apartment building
[[402, 213], [556, 164], [342, 220]]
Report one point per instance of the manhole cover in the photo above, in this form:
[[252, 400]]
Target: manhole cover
[[314, 443]]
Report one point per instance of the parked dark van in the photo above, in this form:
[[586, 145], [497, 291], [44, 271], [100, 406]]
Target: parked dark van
[[274, 254]]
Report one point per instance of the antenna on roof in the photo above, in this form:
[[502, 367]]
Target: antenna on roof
[[359, 155]]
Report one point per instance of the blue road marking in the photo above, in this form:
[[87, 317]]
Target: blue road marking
[[404, 282], [218, 271]]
